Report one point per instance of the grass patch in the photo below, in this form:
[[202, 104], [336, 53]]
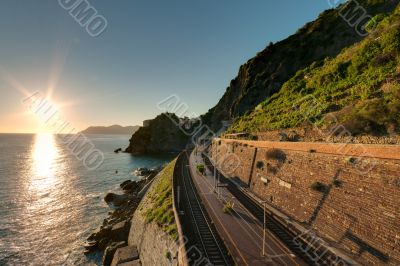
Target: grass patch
[[161, 211]]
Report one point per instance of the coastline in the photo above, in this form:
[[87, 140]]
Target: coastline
[[113, 232]]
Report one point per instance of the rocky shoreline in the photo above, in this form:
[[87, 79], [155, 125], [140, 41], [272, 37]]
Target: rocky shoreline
[[113, 233]]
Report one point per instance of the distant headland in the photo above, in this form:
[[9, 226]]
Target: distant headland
[[114, 129]]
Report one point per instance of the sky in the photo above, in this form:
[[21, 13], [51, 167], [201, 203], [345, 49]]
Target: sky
[[149, 50]]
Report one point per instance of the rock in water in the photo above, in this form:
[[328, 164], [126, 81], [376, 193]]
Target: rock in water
[[141, 171], [110, 250], [125, 254], [130, 186], [124, 183], [117, 200], [120, 231]]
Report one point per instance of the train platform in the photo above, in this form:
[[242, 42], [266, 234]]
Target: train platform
[[240, 230]]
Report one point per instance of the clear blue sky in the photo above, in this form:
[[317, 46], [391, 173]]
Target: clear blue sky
[[150, 50]]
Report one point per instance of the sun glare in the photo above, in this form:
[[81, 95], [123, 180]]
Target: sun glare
[[44, 155]]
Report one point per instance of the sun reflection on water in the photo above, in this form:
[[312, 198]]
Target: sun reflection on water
[[45, 154]]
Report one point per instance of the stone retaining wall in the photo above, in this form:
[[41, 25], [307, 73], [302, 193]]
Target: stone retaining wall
[[351, 198], [154, 245]]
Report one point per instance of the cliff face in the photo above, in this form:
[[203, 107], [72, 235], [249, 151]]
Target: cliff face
[[264, 74], [160, 135]]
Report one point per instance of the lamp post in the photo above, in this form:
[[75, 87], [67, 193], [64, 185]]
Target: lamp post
[[264, 227], [218, 186], [215, 172]]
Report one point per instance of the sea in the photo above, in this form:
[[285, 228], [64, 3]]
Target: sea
[[50, 202]]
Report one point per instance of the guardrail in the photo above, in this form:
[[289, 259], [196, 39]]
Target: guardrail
[[182, 253], [348, 149]]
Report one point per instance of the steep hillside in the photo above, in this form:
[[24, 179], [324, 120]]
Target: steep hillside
[[265, 74], [162, 134], [358, 89], [114, 129]]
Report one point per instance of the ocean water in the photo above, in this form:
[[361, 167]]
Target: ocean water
[[50, 202]]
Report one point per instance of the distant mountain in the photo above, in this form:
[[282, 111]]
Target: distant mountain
[[114, 129]]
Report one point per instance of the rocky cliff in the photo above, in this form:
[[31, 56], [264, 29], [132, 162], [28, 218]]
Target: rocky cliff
[[161, 134], [355, 93], [265, 74]]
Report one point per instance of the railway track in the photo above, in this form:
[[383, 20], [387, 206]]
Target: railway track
[[199, 227], [311, 255]]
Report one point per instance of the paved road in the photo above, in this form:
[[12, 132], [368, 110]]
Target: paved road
[[242, 232]]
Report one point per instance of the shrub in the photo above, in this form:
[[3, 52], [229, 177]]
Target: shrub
[[252, 137], [276, 154], [373, 23], [371, 116], [318, 186], [383, 59], [351, 160], [168, 255], [228, 207], [201, 168], [260, 164]]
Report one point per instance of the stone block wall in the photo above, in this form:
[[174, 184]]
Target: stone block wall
[[228, 153], [355, 208]]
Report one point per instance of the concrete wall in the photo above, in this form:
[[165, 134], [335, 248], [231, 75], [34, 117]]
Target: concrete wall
[[357, 206]]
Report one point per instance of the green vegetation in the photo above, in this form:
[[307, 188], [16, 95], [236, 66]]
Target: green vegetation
[[161, 211], [168, 255], [263, 75], [201, 168], [359, 88], [228, 207]]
